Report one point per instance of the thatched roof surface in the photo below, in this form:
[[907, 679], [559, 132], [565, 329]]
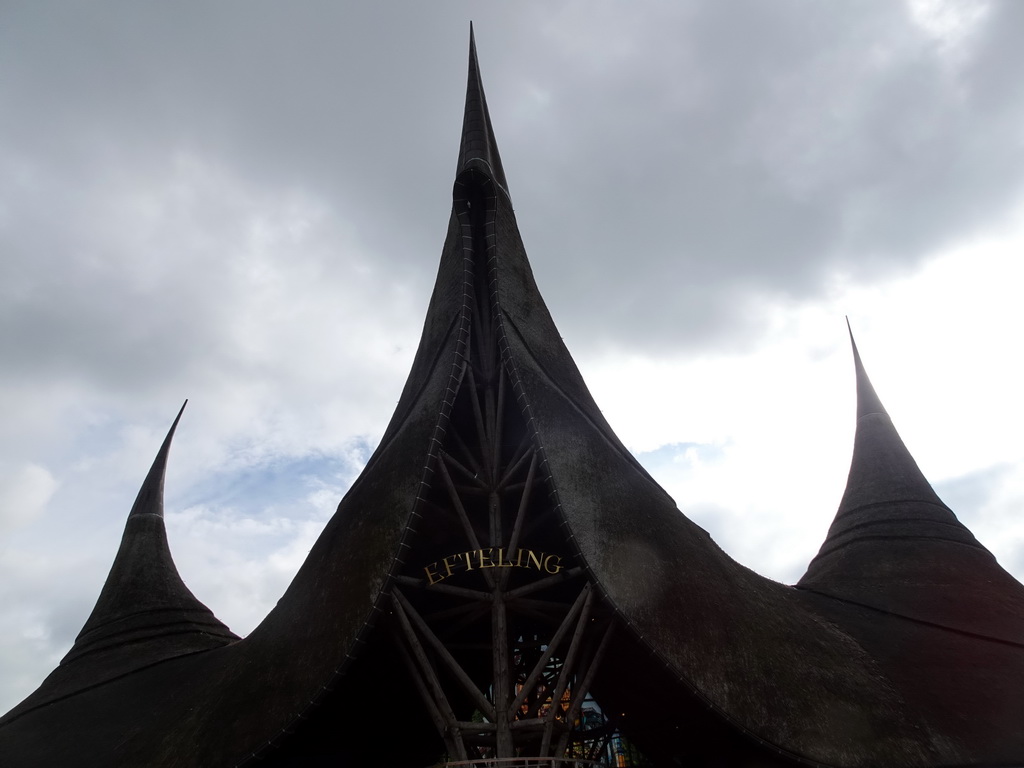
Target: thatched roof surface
[[903, 576], [478, 149], [144, 615], [744, 644]]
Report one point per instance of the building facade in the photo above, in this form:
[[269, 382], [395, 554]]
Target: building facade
[[505, 585]]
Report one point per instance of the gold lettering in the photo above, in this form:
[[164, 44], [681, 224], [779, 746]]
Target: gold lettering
[[492, 557], [447, 565], [547, 563], [432, 576]]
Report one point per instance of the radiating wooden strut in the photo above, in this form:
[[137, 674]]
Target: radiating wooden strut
[[498, 625]]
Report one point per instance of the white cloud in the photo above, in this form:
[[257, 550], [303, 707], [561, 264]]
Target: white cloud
[[25, 490], [948, 22]]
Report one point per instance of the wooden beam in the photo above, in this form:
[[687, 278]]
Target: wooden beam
[[430, 677], [547, 581], [499, 421], [584, 685], [494, 512], [421, 687], [544, 617], [464, 593], [545, 657], [518, 458], [450, 661], [551, 612], [563, 675], [517, 525], [469, 474], [479, 610], [467, 526], [454, 612], [469, 727], [493, 425], [501, 681], [481, 429], [467, 453]]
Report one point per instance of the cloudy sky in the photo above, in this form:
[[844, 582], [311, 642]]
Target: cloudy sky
[[243, 204]]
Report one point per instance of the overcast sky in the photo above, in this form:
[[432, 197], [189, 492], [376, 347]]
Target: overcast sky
[[244, 204]]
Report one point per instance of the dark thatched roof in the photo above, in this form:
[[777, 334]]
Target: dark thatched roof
[[478, 149], [902, 606], [903, 576], [144, 615]]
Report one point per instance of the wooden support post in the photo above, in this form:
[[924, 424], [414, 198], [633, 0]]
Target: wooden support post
[[494, 510], [467, 454], [467, 526], [481, 429], [545, 657], [547, 581], [430, 677], [563, 676], [447, 589], [522, 452], [493, 422], [421, 687], [460, 674], [502, 682], [499, 422], [584, 685], [524, 501], [470, 475]]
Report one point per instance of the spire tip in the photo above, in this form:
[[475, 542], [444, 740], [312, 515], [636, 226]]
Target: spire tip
[[151, 496], [867, 399]]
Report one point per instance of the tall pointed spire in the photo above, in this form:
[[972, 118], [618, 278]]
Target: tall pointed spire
[[144, 602], [894, 545], [883, 469], [478, 148], [867, 399], [150, 499]]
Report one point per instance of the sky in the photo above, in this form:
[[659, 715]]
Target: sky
[[243, 204]]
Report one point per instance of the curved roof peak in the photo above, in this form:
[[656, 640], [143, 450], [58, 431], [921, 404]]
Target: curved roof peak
[[478, 149], [895, 546], [144, 610], [150, 500], [882, 469], [867, 399]]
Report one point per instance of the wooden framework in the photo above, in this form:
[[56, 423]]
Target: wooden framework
[[498, 625]]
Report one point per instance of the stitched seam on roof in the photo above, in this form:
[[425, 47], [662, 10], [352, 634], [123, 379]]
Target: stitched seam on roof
[[151, 611], [100, 684], [459, 358], [117, 641], [526, 410], [612, 442], [412, 402], [897, 520], [897, 537], [876, 504], [903, 616]]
